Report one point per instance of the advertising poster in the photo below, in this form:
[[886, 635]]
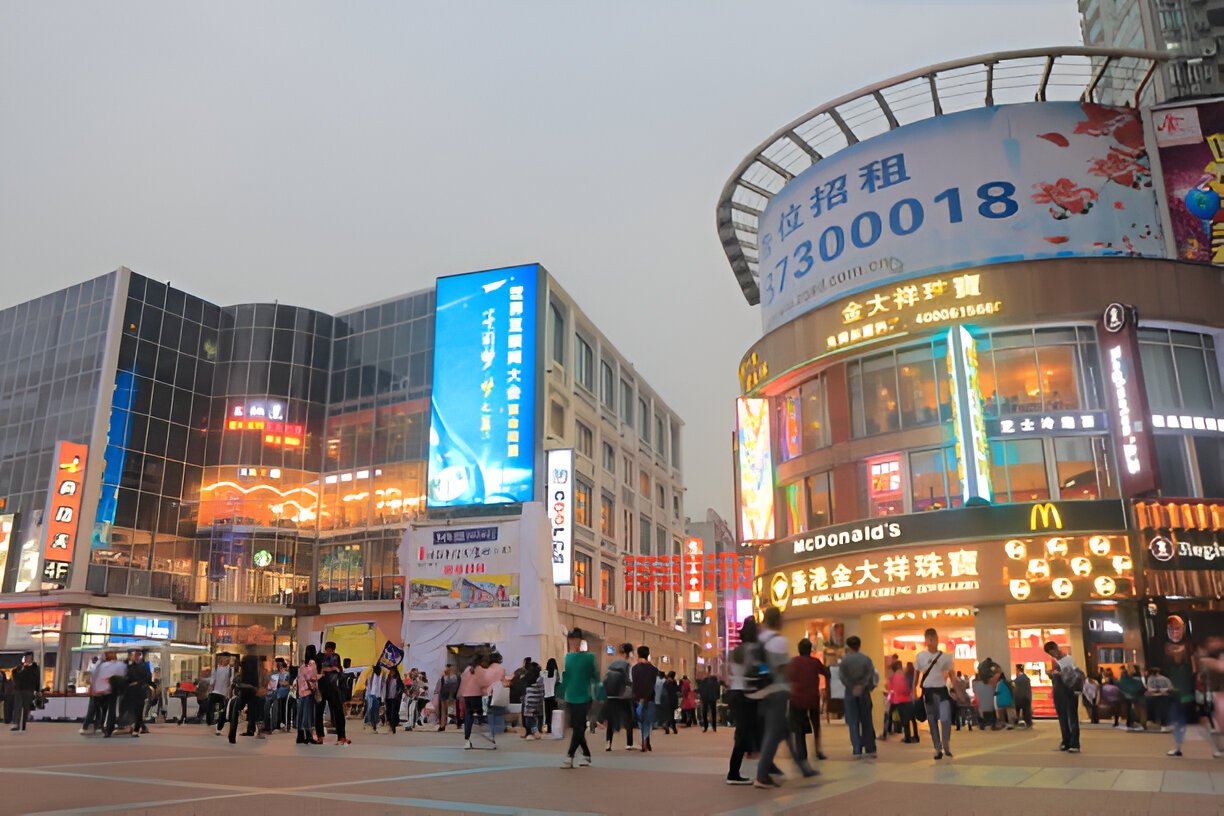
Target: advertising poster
[[756, 478], [465, 568], [482, 431], [1190, 142], [65, 510], [984, 186]]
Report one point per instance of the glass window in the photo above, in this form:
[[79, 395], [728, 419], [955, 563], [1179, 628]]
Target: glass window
[[675, 445], [644, 540], [811, 411], [1174, 470], [1209, 450], [582, 574], [819, 501], [607, 385], [607, 516], [1014, 384], [558, 333], [882, 475], [787, 426], [661, 495], [1159, 378], [1081, 467], [584, 365], [879, 384], [643, 421], [929, 480], [627, 470], [919, 394], [644, 484], [626, 402], [584, 439], [1059, 377], [793, 520], [1018, 471], [582, 503], [660, 439], [1192, 377], [606, 585], [609, 457]]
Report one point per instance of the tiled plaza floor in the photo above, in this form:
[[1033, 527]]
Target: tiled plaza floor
[[186, 770]]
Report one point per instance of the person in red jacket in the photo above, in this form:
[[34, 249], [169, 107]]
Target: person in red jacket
[[804, 673]]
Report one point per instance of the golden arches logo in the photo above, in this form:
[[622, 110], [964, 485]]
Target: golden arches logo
[[1048, 514]]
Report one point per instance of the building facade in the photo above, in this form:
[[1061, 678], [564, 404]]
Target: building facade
[[949, 430], [249, 471]]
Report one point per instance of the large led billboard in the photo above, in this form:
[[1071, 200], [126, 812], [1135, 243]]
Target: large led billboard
[[482, 430], [756, 477], [984, 186]]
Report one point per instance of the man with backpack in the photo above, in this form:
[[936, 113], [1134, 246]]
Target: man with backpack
[[619, 688], [1068, 681]]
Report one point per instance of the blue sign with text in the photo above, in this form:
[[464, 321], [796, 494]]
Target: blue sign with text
[[482, 432]]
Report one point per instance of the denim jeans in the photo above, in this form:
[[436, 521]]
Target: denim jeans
[[305, 715], [497, 721], [1177, 719], [373, 704], [646, 716], [858, 720], [1067, 707], [939, 717]]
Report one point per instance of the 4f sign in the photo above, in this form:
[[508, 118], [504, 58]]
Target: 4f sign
[[560, 503]]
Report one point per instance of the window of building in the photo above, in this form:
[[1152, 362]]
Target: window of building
[[660, 496], [607, 385], [1018, 471], [790, 498], [662, 542], [1028, 372], [607, 516], [873, 395], [644, 484], [676, 506], [819, 501], [885, 488], [788, 426], [643, 421], [584, 364], [1082, 468], [660, 440], [606, 586], [1209, 451], [645, 539], [675, 445], [582, 574], [608, 457], [556, 419], [626, 402], [1172, 464], [929, 480], [582, 503], [1180, 370], [627, 470], [584, 439], [558, 332]]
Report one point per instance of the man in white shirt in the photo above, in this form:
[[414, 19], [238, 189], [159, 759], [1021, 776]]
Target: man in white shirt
[[101, 714], [222, 688], [1066, 702], [935, 667]]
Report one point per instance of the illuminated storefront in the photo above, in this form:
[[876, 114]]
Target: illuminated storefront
[[961, 417]]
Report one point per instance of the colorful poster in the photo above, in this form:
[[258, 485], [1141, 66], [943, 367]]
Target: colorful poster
[[482, 435], [983, 186], [1190, 143], [756, 476], [464, 568], [391, 656]]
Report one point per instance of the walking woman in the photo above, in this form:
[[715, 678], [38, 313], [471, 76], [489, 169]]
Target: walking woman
[[688, 703], [551, 675], [743, 707], [576, 685], [393, 695], [470, 692], [496, 686], [308, 696], [312, 657]]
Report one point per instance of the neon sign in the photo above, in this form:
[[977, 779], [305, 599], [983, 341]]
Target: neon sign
[[968, 420]]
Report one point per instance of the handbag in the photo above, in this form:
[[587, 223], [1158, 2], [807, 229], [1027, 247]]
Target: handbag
[[500, 697]]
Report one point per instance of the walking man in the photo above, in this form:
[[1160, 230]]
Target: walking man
[[222, 688], [937, 672], [804, 673], [773, 696], [27, 678], [331, 678], [857, 674], [247, 685], [708, 692], [1067, 681], [577, 679], [619, 688], [1023, 697], [643, 677]]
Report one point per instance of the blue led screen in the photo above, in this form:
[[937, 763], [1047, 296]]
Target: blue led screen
[[482, 434]]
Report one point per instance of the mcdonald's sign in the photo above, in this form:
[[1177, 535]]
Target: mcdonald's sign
[[1047, 514]]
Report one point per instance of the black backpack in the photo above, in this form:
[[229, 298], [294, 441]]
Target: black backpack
[[758, 673], [615, 681]]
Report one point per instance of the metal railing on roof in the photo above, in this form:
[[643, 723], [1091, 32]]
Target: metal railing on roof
[[1105, 75]]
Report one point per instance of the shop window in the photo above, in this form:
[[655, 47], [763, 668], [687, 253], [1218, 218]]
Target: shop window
[[932, 486], [582, 503], [1018, 471], [918, 392], [882, 475], [1171, 461], [819, 501], [607, 511], [1159, 377], [1082, 468], [584, 439], [1209, 450], [582, 574]]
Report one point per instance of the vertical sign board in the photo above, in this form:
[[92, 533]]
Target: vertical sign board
[[755, 466], [482, 427], [968, 419], [65, 508], [560, 503], [1134, 445], [694, 574]]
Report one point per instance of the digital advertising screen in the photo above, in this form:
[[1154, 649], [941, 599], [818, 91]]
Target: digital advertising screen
[[482, 432], [756, 477]]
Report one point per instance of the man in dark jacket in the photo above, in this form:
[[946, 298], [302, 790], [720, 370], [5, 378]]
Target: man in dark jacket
[[248, 680], [136, 692], [708, 691], [26, 680], [618, 685]]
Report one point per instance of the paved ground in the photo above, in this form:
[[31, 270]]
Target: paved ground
[[185, 770]]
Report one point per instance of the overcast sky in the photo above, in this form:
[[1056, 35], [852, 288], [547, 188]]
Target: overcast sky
[[333, 154]]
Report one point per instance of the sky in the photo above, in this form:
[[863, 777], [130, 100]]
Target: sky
[[333, 154]]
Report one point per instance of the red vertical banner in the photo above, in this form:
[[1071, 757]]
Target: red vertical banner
[[693, 566]]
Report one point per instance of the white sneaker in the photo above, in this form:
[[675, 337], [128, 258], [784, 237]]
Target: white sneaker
[[85, 732], [567, 763], [467, 745], [1164, 729], [585, 762]]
